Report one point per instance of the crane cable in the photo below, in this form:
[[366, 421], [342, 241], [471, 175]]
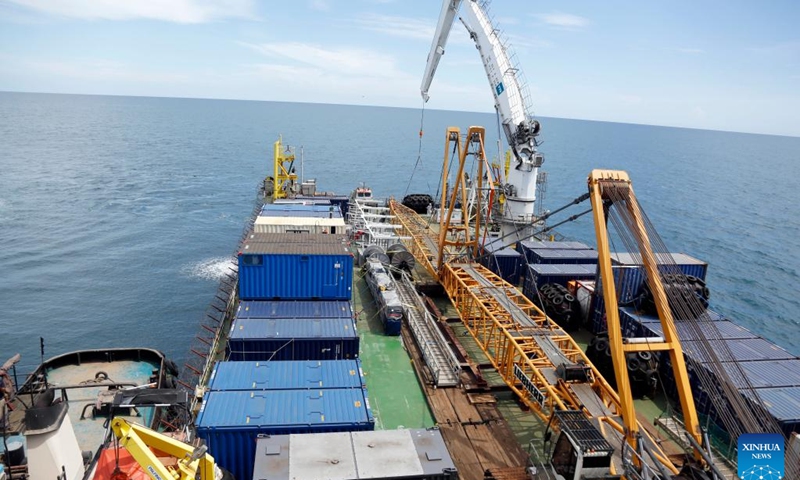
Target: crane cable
[[419, 149], [441, 184], [738, 415]]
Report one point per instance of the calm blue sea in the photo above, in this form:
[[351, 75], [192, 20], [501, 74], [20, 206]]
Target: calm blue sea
[[117, 213]]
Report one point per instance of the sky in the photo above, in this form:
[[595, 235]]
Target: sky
[[722, 65]]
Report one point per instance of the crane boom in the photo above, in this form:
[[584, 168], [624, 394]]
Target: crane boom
[[446, 18], [190, 462], [519, 127]]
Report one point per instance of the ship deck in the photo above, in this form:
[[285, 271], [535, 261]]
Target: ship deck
[[86, 381], [92, 379], [395, 395]]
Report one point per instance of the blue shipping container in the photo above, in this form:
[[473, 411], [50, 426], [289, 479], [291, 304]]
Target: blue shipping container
[[711, 330], [505, 262], [264, 339], [763, 375], [230, 422], [552, 256], [297, 272], [629, 275], [302, 214], [295, 309], [682, 262], [740, 350], [304, 201], [541, 274], [342, 201], [299, 207], [783, 404], [772, 373], [538, 244], [640, 325], [296, 375]]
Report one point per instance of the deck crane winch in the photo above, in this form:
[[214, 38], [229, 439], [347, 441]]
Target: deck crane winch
[[511, 103]]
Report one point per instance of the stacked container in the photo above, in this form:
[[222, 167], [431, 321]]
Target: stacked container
[[292, 348], [341, 201], [764, 369], [502, 260], [294, 309], [231, 421], [539, 275], [247, 376], [295, 267], [629, 278], [266, 339]]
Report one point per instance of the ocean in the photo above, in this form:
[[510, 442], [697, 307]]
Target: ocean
[[118, 214]]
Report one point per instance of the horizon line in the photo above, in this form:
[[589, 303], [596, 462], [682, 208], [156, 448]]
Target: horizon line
[[392, 106]]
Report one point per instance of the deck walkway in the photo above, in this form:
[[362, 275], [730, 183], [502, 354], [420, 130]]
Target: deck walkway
[[476, 434]]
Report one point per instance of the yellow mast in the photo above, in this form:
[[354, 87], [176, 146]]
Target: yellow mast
[[283, 177]]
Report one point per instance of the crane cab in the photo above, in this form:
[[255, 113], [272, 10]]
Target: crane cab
[[580, 451]]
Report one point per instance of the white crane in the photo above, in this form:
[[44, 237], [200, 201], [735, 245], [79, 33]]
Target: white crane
[[518, 124]]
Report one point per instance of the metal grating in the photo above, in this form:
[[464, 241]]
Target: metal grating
[[586, 435]]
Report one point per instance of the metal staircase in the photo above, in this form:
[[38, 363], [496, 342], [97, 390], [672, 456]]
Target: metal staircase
[[438, 355]]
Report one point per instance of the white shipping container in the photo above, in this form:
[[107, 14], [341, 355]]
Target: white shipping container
[[299, 224]]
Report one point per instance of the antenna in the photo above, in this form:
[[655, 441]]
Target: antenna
[[41, 353]]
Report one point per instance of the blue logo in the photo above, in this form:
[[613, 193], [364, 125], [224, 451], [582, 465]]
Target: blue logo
[[761, 456], [499, 88]]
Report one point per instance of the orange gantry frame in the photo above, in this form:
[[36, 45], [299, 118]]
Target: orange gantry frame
[[525, 347]]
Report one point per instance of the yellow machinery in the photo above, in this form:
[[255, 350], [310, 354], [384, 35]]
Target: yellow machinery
[[192, 463], [284, 178], [538, 360], [605, 187]]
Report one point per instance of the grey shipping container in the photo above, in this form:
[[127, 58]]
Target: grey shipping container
[[263, 339], [413, 454], [230, 422]]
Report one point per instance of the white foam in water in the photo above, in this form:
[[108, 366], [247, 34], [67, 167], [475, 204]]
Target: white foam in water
[[211, 269]]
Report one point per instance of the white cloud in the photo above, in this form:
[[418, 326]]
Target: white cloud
[[563, 20], [790, 48], [339, 60], [405, 27], [178, 11], [506, 21], [698, 113], [691, 51], [629, 99], [525, 42], [462, 62], [321, 5], [102, 70]]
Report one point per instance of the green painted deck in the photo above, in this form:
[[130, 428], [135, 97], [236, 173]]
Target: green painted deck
[[395, 394]]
